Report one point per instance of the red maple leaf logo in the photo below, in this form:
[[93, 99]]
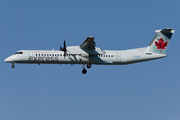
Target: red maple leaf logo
[[161, 44]]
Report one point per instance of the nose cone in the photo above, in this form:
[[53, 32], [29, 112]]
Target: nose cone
[[6, 60], [9, 59]]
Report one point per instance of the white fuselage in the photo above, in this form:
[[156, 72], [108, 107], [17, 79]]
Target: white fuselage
[[111, 57], [87, 53]]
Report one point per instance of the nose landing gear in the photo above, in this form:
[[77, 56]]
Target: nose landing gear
[[13, 66]]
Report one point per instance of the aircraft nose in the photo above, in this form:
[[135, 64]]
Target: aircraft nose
[[8, 59]]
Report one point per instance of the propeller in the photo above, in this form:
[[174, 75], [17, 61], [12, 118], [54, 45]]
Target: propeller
[[64, 48]]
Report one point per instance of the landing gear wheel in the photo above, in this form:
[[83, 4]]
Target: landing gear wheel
[[13, 66], [84, 71], [88, 65]]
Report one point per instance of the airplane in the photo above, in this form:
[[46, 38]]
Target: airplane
[[87, 53]]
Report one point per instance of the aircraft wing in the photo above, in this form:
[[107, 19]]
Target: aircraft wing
[[88, 44], [86, 48]]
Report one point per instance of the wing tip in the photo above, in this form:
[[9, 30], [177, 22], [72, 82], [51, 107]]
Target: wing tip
[[91, 37]]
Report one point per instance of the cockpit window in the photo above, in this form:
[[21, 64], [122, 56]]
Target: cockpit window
[[18, 53]]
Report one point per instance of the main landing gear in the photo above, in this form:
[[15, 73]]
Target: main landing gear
[[88, 65], [84, 71], [13, 66]]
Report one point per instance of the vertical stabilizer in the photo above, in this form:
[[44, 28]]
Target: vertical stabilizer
[[160, 42]]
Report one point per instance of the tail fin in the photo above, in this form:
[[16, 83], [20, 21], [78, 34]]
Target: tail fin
[[160, 42]]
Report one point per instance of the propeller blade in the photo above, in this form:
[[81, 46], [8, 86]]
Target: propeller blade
[[64, 43], [64, 54], [60, 47], [64, 48]]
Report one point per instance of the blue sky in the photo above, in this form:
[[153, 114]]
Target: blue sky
[[141, 91]]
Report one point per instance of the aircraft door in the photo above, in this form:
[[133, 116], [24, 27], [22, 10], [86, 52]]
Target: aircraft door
[[118, 57], [30, 55]]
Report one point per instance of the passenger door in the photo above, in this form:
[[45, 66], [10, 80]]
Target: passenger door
[[118, 57]]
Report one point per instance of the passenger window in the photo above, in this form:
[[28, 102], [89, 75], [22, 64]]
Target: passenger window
[[36, 54], [39, 55], [44, 54], [52, 54], [49, 54]]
